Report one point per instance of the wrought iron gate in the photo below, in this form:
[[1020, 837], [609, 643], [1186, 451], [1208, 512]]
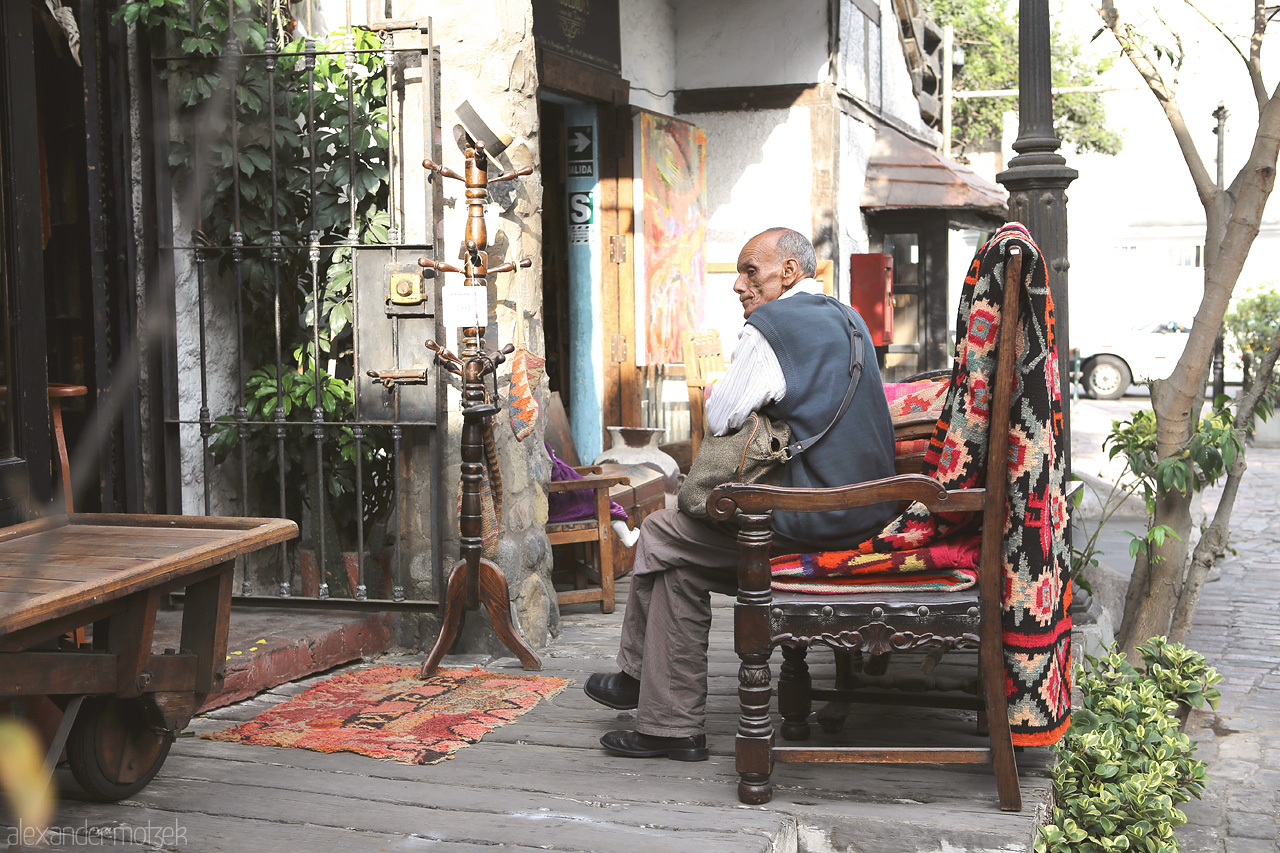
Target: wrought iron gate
[[283, 154]]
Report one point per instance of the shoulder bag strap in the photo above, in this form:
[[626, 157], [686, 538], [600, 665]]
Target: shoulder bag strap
[[855, 376]]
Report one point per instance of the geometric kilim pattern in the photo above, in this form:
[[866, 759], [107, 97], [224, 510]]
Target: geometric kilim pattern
[[1036, 627], [522, 406], [924, 396], [388, 712]]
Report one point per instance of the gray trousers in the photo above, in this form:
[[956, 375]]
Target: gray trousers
[[679, 563]]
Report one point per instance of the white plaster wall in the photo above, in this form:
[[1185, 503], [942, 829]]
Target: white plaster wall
[[856, 137], [648, 29], [759, 174], [220, 375], [723, 43]]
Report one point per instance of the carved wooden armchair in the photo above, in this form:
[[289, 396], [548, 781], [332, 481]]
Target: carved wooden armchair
[[874, 624]]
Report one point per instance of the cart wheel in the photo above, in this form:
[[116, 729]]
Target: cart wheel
[[113, 751]]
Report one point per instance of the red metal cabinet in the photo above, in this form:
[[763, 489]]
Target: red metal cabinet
[[872, 293]]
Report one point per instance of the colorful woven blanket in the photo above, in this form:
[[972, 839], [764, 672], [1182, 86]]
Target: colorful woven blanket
[[921, 547], [911, 400]]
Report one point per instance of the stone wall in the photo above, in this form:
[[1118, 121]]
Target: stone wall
[[486, 55]]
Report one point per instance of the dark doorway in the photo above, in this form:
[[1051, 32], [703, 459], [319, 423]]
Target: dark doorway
[[555, 246], [68, 293]]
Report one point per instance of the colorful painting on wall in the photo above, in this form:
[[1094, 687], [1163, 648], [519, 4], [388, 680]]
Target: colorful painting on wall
[[673, 168]]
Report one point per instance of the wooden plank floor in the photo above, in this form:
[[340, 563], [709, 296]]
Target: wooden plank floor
[[543, 783]]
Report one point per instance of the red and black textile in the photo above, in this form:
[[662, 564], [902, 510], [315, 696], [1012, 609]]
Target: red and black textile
[[1037, 629]]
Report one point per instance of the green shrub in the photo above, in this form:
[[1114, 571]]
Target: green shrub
[[1180, 673], [1123, 766]]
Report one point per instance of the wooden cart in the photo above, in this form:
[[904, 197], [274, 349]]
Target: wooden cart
[[122, 704]]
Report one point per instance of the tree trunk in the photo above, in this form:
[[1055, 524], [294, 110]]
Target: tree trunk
[[1167, 565], [1232, 221], [1139, 581]]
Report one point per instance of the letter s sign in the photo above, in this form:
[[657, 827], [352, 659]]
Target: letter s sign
[[581, 217], [580, 209]]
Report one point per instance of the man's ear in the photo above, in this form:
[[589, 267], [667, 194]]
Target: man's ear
[[791, 272]]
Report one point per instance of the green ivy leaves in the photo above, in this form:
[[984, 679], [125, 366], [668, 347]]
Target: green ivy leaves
[[1124, 766]]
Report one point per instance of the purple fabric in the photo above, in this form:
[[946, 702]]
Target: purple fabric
[[572, 506]]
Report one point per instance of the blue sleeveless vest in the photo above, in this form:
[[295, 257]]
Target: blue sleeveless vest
[[810, 336]]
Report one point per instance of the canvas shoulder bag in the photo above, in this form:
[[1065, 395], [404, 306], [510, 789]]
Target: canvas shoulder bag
[[753, 453]]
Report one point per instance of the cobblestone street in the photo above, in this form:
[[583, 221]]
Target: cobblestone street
[[1237, 627]]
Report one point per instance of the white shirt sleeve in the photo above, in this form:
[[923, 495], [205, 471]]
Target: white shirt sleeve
[[754, 379]]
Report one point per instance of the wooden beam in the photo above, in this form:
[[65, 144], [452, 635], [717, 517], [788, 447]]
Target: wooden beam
[[577, 78], [736, 98], [68, 672]]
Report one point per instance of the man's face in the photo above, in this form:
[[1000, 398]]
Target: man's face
[[762, 275]]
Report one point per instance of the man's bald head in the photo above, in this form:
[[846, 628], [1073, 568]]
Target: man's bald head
[[793, 244]]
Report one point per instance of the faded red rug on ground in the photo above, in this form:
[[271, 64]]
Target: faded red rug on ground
[[388, 712]]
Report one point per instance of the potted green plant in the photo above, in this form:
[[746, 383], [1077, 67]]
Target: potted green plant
[[1181, 674]]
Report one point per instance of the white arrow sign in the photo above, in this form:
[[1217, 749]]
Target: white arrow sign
[[579, 142]]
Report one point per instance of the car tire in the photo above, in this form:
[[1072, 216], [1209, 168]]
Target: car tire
[[1106, 377]]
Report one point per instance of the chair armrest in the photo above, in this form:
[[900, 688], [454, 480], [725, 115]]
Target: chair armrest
[[589, 469], [755, 499], [916, 422], [927, 374], [590, 482]]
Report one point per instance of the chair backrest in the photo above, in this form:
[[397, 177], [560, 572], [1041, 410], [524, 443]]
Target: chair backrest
[[702, 358], [558, 434]]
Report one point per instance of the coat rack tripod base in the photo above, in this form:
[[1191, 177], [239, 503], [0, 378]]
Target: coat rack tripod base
[[474, 580]]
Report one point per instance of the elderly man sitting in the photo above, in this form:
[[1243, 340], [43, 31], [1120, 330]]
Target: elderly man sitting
[[783, 366]]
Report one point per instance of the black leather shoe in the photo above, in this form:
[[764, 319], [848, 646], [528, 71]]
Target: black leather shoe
[[614, 690], [637, 745]]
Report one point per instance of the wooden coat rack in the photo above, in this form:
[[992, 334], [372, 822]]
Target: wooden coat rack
[[475, 580]]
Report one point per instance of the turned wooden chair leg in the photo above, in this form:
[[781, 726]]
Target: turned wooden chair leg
[[794, 698], [753, 746], [604, 551], [832, 715]]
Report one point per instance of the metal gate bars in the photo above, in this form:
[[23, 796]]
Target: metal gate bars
[[285, 164]]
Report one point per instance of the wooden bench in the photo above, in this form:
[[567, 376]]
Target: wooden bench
[[122, 704]]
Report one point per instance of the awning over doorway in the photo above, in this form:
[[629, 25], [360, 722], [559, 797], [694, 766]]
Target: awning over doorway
[[903, 174]]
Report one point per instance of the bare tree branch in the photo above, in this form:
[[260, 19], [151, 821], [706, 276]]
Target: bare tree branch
[[1252, 62], [1255, 49], [1206, 185], [1223, 266]]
